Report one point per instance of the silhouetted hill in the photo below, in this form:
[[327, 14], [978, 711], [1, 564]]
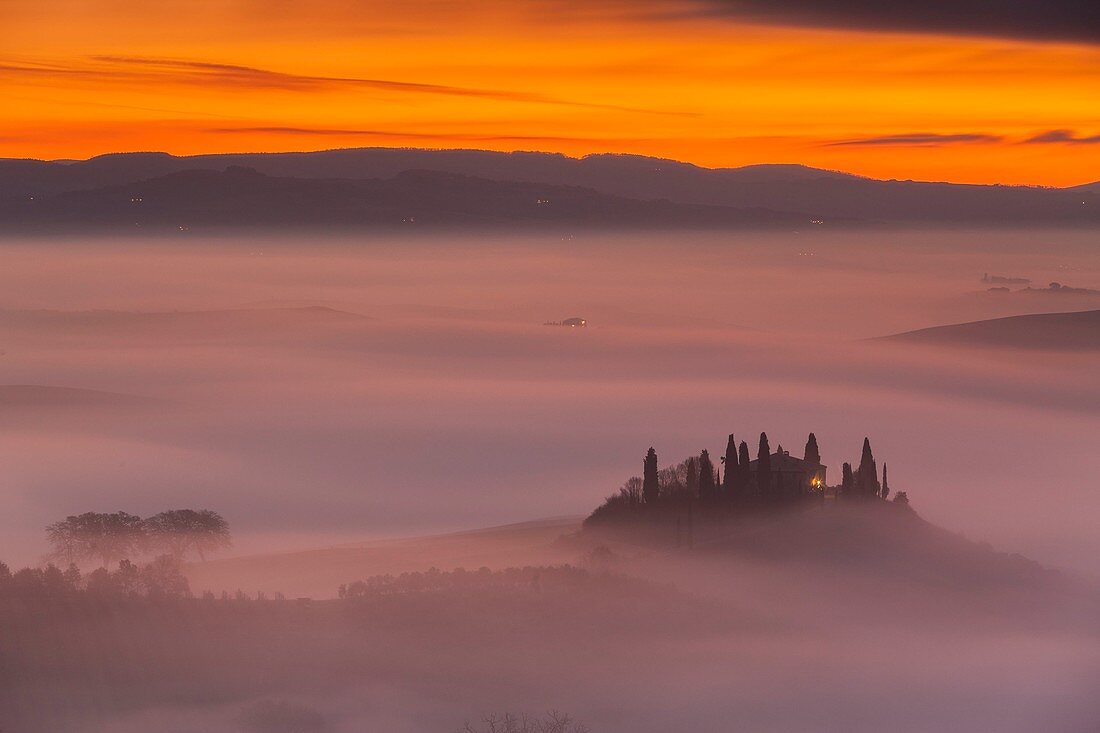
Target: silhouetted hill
[[23, 177], [243, 197], [1088, 187], [26, 177], [829, 560], [1061, 331], [884, 541], [823, 194]]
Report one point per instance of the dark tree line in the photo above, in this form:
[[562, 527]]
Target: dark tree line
[[540, 578], [160, 578], [110, 537]]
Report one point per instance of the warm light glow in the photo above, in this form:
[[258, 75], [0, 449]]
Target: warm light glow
[[79, 79]]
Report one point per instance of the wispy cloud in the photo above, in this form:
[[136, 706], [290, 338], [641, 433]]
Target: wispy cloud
[[253, 77], [1064, 136], [236, 76], [927, 139], [399, 134]]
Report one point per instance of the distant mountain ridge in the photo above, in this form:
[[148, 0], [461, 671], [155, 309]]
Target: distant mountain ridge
[[822, 194], [244, 197]]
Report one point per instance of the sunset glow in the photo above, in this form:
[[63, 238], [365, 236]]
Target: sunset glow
[[82, 79]]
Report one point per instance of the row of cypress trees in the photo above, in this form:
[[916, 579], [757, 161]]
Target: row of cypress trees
[[737, 482]]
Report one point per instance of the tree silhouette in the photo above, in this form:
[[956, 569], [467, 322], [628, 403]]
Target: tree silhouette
[[127, 578], [764, 469], [179, 532], [706, 476], [631, 491], [847, 485], [105, 537], [733, 470], [72, 575], [163, 578], [651, 486], [812, 455], [743, 470], [868, 472], [692, 478], [885, 485]]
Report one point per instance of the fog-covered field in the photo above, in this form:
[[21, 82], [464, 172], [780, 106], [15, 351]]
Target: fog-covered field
[[838, 620], [422, 393], [333, 392]]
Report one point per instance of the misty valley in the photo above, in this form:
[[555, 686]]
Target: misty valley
[[846, 618], [265, 483]]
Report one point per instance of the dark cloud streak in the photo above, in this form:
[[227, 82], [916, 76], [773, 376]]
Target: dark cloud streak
[[919, 138], [1044, 20], [1064, 136]]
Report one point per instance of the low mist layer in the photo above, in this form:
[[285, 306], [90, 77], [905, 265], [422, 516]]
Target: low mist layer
[[841, 619], [335, 389], [339, 402]]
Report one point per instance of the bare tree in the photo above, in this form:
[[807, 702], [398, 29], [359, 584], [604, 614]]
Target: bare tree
[[631, 491], [179, 532]]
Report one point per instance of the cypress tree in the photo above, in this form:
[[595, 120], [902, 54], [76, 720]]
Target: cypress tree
[[764, 468], [885, 485], [706, 476], [743, 470], [732, 469], [846, 487], [812, 455], [651, 488], [868, 472]]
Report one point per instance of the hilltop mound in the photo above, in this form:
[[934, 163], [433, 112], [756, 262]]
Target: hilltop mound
[[877, 539]]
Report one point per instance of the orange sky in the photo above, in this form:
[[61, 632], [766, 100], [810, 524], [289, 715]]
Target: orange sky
[[81, 78]]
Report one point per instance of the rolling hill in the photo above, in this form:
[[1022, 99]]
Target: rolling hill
[[1079, 331]]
